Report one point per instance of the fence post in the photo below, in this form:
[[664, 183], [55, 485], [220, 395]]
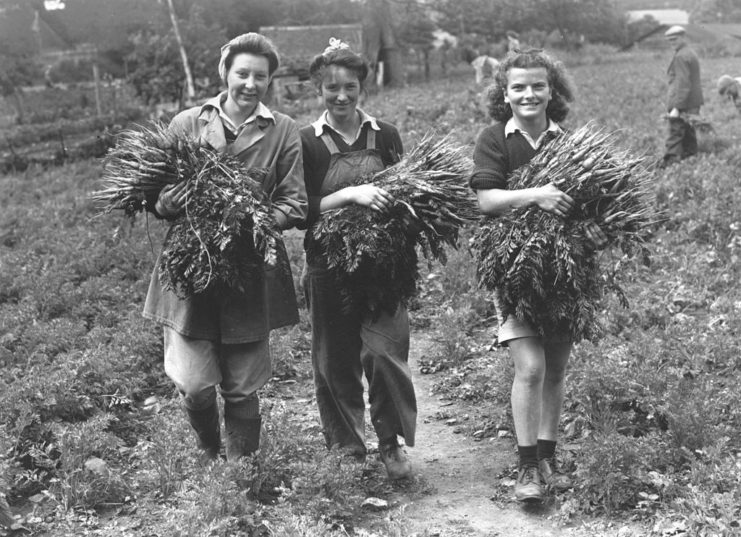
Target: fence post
[[96, 77]]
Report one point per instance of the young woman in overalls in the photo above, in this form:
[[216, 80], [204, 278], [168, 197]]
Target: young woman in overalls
[[343, 144]]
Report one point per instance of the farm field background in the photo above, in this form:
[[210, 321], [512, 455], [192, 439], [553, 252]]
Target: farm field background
[[651, 429]]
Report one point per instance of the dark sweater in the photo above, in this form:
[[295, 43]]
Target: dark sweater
[[496, 157], [317, 156]]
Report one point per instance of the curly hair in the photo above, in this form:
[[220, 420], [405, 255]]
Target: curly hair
[[342, 57], [251, 43], [562, 89]]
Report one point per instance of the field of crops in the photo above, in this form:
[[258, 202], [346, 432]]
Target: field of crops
[[652, 428]]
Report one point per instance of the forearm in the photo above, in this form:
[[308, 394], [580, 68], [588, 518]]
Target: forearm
[[336, 200], [496, 201]]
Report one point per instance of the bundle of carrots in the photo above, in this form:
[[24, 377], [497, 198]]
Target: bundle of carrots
[[227, 231], [373, 255], [543, 268]]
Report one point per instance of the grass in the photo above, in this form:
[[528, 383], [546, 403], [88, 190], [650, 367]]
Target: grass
[[654, 398]]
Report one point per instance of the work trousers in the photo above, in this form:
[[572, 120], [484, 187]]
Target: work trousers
[[681, 141], [346, 346]]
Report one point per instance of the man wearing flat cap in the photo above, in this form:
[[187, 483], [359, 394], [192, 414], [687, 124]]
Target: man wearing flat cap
[[684, 97]]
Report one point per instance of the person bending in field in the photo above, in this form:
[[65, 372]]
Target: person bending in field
[[342, 145], [730, 88], [529, 95], [219, 337]]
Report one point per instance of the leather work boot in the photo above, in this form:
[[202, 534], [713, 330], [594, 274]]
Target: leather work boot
[[205, 423], [396, 461], [529, 486], [552, 476], [242, 433]]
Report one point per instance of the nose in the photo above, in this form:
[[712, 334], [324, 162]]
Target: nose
[[529, 91], [249, 82]]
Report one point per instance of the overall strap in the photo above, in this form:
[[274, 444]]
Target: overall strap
[[370, 138], [329, 142]]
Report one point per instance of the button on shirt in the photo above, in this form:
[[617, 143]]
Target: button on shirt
[[510, 128]]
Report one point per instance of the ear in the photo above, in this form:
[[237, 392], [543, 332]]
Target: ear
[[506, 99]]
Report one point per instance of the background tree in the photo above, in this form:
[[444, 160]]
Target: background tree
[[596, 20], [380, 42], [716, 11], [18, 49], [190, 90], [416, 32], [156, 71]]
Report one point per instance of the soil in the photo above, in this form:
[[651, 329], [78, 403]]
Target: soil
[[462, 486], [471, 481]]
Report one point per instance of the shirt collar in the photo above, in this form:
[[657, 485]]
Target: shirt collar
[[216, 103], [510, 128], [320, 123]]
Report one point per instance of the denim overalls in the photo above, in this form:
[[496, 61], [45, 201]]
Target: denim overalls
[[345, 346]]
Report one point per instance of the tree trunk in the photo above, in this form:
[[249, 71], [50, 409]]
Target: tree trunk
[[19, 105], [378, 26], [96, 80], [189, 85]]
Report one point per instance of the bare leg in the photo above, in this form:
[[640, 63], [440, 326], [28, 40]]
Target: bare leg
[[556, 358], [528, 356]]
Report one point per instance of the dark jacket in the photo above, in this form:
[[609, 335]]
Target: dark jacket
[[685, 89]]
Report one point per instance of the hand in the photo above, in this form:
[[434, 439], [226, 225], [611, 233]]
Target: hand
[[371, 196], [596, 235], [674, 112], [171, 200], [552, 200]]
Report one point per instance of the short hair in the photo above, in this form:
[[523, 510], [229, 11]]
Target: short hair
[[249, 43], [728, 86], [341, 57], [562, 89]]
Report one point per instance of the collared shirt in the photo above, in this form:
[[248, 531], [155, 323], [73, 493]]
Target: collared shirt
[[218, 102], [323, 121], [511, 128]]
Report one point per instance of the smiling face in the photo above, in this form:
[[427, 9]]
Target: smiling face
[[247, 82], [528, 93], [340, 92]]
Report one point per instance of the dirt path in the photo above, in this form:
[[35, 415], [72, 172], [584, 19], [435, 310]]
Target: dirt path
[[469, 495]]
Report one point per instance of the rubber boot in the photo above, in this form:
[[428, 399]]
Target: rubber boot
[[242, 431], [205, 423]]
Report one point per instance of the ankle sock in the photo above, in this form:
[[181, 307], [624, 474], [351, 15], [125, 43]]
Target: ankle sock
[[546, 449], [528, 455]]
